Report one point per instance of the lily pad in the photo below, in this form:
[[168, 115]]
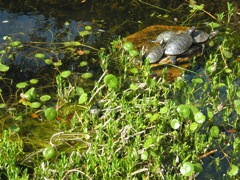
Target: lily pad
[[3, 68], [87, 75], [35, 105], [22, 85], [175, 124], [40, 55], [65, 74], [111, 81], [187, 169], [45, 98], [51, 113]]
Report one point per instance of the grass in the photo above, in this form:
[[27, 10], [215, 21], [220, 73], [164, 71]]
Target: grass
[[148, 128]]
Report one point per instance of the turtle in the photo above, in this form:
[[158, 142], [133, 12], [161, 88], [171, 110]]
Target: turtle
[[165, 36], [201, 37], [154, 54], [179, 44]]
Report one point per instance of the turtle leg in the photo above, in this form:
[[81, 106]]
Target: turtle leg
[[203, 49], [174, 59]]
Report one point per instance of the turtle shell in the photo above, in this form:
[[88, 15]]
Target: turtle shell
[[165, 36], [154, 54], [178, 44]]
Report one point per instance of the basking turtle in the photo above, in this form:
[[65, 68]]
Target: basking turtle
[[179, 44], [154, 54], [165, 36], [201, 37]]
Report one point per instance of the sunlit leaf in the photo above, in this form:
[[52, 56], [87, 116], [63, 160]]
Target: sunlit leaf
[[35, 105], [3, 68], [144, 155], [87, 75], [21, 85], [83, 98], [193, 126], [199, 117], [84, 33], [184, 110], [187, 169], [175, 123], [154, 117], [65, 74], [234, 170], [214, 131], [51, 113], [45, 98], [111, 81], [31, 94], [34, 81], [40, 55], [3, 105], [83, 63], [148, 142]]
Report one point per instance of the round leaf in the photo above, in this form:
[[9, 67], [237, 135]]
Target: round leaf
[[214, 131], [34, 81], [65, 74], [3, 68], [175, 124], [111, 81], [35, 105], [193, 126], [22, 85], [45, 98], [187, 169], [49, 152], [133, 52], [83, 98], [87, 75], [199, 117], [128, 46], [40, 55], [51, 113], [83, 63], [183, 110]]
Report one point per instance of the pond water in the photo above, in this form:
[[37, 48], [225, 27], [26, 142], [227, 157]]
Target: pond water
[[39, 23]]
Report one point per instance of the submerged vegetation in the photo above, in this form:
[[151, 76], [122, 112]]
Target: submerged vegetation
[[124, 123]]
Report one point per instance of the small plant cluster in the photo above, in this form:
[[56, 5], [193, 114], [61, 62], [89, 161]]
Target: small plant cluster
[[126, 124]]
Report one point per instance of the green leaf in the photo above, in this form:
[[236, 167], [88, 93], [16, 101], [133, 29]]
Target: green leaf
[[187, 169], [214, 131], [83, 98], [183, 110], [15, 43], [199, 117], [233, 171], [40, 55], [133, 53], [31, 94], [164, 110], [21, 85], [133, 86], [154, 117], [237, 106], [84, 33], [65, 74], [148, 142], [3, 68], [3, 105], [35, 105], [45, 98], [51, 113], [87, 75], [34, 81], [193, 126], [88, 28], [144, 155], [83, 63], [128, 46], [175, 124], [111, 81]]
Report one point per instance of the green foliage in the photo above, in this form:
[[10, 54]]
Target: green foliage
[[143, 127]]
